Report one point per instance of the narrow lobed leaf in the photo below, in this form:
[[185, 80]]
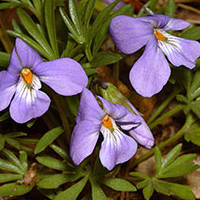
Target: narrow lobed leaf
[[171, 155], [119, 184], [47, 139], [72, 192]]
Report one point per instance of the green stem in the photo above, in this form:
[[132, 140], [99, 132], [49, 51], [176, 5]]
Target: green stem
[[88, 52], [62, 115], [174, 138], [164, 104], [166, 115]]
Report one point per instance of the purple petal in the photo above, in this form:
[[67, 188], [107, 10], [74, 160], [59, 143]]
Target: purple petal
[[151, 72], [83, 141], [165, 22], [7, 88], [64, 75], [129, 33], [28, 57], [28, 105], [126, 119], [116, 148], [143, 135], [181, 51], [89, 109]]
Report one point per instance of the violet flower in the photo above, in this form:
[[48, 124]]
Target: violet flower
[[23, 81], [117, 147], [152, 71]]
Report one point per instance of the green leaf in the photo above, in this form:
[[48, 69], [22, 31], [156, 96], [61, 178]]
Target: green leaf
[[162, 187], [195, 85], [5, 59], [118, 184], [15, 189], [195, 107], [97, 192], [32, 29], [51, 27], [143, 183], [5, 165], [23, 160], [5, 116], [152, 4], [139, 175], [47, 139], [75, 16], [192, 33], [182, 191], [2, 142], [158, 159], [10, 177], [63, 154], [100, 18], [105, 58], [193, 133], [88, 13], [171, 155], [48, 193], [12, 142], [30, 42], [54, 181], [74, 34], [15, 134], [170, 8], [180, 171], [101, 35], [182, 160], [148, 190], [11, 156], [72, 192], [53, 163]]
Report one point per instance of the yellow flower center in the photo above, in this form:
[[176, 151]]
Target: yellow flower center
[[27, 75], [159, 35], [107, 122]]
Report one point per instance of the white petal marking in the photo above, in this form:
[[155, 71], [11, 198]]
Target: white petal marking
[[28, 93]]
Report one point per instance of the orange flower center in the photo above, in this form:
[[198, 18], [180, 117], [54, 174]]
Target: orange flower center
[[107, 122], [27, 75], [159, 35]]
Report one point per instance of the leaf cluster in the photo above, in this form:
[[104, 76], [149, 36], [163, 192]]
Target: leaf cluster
[[171, 167]]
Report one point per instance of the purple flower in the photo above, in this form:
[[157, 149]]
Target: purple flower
[[117, 147], [118, 6], [151, 71], [23, 81]]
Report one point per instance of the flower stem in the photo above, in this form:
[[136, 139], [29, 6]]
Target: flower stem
[[174, 138], [164, 104], [62, 115], [166, 115], [88, 52]]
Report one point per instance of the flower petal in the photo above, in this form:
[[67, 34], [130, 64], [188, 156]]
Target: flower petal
[[89, 109], [165, 22], [64, 75], [116, 148], [83, 141], [129, 33], [124, 118], [7, 88], [28, 57], [181, 51], [151, 72], [28, 103], [143, 135]]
